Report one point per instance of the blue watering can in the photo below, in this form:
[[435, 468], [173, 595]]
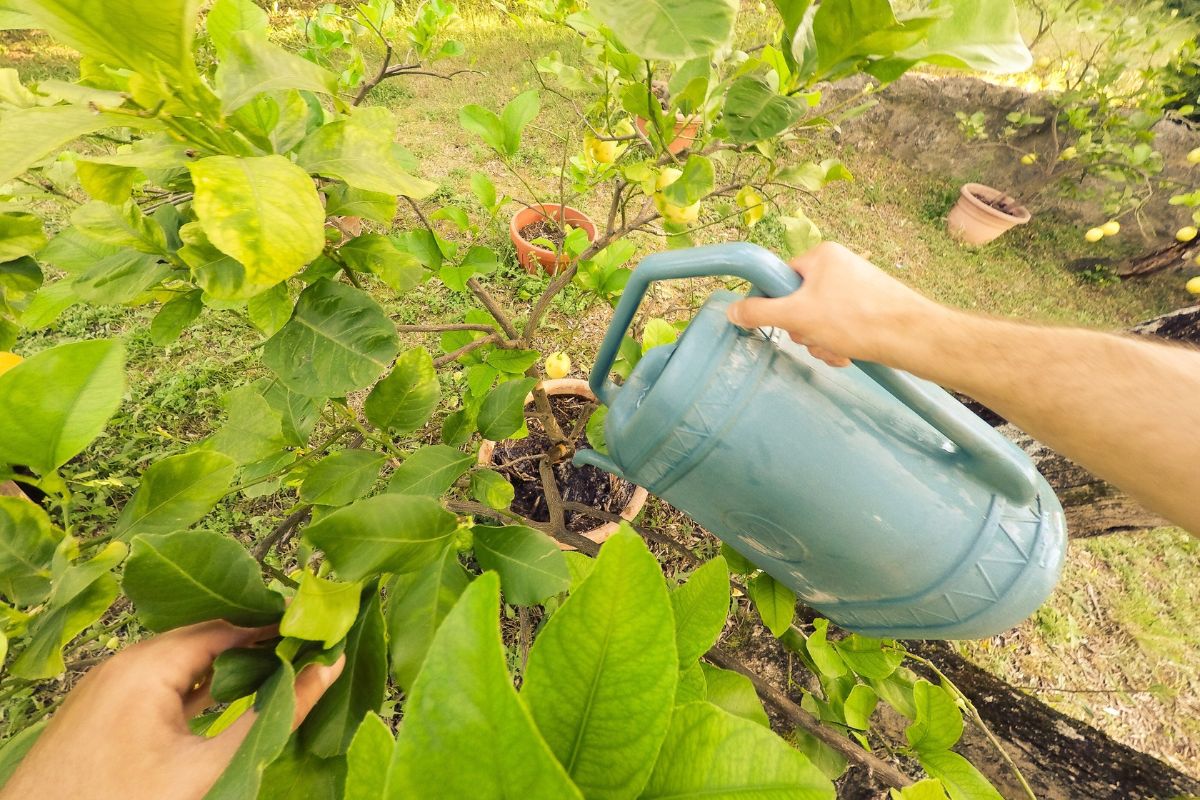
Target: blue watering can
[[876, 496]]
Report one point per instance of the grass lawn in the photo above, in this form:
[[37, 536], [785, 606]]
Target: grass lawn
[[1117, 643]]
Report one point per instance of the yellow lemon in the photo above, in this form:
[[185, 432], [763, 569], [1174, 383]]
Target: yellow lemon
[[1186, 233], [1111, 228], [667, 176], [1029, 158], [678, 215], [1193, 285], [601, 151], [8, 361], [1068, 153], [558, 365], [752, 205], [1094, 234], [1193, 156]]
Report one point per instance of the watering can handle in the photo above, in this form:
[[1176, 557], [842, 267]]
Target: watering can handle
[[1001, 465]]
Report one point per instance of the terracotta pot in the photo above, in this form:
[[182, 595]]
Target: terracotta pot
[[575, 386], [975, 222], [686, 133], [531, 255]]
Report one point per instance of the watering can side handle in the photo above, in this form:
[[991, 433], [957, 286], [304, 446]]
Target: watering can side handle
[[1002, 468]]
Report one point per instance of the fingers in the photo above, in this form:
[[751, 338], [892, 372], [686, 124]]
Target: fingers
[[311, 684], [829, 357], [182, 657], [759, 312]]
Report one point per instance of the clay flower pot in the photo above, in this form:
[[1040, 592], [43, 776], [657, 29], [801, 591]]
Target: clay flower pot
[[686, 132], [575, 386], [531, 255], [975, 218]]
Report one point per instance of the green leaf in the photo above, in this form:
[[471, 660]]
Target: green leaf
[[405, 399], [264, 212], [800, 234], [20, 235], [240, 671], [378, 255], [484, 190], [228, 17], [417, 604], [775, 603], [177, 579], [502, 412], [848, 33], [338, 340], [977, 34], [738, 563], [252, 65], [822, 651], [53, 404], [389, 533], [959, 777], [360, 689], [939, 723], [13, 751], [341, 477], [120, 278], [531, 565], [299, 413], [601, 677], [740, 759], [175, 493], [275, 705], [657, 333], [368, 761], [928, 789], [358, 150], [859, 705], [80, 596], [671, 30], [298, 772], [485, 124], [691, 687], [492, 489], [146, 36], [120, 226], [20, 276], [514, 362], [594, 430], [30, 134], [464, 702], [867, 657], [27, 544], [518, 113], [700, 607], [346, 201], [734, 693], [253, 430], [430, 471], [754, 111], [321, 611], [694, 184], [175, 315], [270, 310]]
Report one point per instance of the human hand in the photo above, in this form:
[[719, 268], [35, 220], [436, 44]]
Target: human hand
[[847, 308], [122, 732]]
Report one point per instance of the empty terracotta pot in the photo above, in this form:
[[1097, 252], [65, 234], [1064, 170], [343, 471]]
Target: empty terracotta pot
[[531, 255], [975, 219], [575, 386]]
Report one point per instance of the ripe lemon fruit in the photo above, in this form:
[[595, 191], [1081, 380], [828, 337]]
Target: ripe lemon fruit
[[1029, 158], [600, 150], [752, 204], [8, 361], [1094, 234], [1186, 233], [1111, 228], [1068, 153], [667, 176], [558, 365], [1193, 156], [678, 215], [1193, 285]]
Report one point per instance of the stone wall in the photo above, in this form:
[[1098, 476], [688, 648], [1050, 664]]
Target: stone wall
[[914, 122]]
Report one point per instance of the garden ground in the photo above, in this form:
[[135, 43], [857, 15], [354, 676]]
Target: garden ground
[[1117, 644]]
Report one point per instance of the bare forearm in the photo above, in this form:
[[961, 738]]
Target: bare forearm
[[1126, 409]]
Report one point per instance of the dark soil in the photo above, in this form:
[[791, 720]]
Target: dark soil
[[544, 229], [587, 485], [1003, 204]]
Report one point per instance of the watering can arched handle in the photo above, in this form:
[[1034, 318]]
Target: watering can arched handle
[[998, 463]]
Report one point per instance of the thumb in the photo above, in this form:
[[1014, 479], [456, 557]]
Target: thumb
[[759, 312], [311, 684]]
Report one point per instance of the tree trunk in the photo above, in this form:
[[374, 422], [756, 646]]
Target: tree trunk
[[1062, 758], [1173, 255], [1179, 326]]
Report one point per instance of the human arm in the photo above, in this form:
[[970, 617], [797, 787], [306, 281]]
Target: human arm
[[122, 732], [1126, 409]]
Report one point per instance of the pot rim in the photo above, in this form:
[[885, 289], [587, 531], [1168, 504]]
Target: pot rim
[[544, 210], [579, 387], [968, 192]]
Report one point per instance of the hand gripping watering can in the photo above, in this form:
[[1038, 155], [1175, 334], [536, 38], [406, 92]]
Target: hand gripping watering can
[[877, 497]]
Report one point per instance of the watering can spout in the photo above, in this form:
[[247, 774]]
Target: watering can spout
[[597, 459]]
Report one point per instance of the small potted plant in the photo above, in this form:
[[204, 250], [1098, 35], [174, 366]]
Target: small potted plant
[[983, 213], [546, 223]]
